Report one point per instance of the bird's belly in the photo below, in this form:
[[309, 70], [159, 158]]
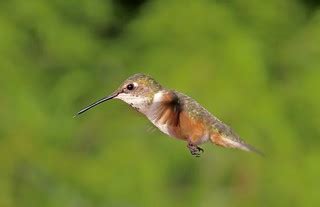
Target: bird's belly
[[176, 133], [169, 130], [202, 139], [162, 127]]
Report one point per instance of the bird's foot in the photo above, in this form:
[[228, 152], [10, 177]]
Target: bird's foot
[[195, 150]]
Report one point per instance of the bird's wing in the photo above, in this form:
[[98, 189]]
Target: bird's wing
[[167, 110]]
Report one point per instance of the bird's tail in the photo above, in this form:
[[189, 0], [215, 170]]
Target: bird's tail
[[233, 141]]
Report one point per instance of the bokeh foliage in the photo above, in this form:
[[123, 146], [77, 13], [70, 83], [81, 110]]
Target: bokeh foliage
[[254, 64]]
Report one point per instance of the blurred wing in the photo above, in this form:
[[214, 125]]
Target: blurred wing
[[167, 110]]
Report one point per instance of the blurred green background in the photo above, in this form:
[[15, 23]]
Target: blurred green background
[[253, 64]]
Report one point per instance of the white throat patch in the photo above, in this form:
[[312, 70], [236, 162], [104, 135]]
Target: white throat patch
[[139, 103]]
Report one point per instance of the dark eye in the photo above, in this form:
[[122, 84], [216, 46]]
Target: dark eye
[[130, 86]]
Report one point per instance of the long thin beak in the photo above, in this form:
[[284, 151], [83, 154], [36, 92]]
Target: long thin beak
[[97, 103]]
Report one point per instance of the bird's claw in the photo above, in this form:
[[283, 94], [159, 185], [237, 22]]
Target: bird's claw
[[195, 150]]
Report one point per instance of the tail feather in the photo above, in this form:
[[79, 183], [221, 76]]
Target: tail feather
[[234, 142], [243, 146]]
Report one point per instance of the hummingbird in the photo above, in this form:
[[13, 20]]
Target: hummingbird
[[175, 114]]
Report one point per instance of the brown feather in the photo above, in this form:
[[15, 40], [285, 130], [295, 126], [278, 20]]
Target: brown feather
[[168, 110], [191, 129]]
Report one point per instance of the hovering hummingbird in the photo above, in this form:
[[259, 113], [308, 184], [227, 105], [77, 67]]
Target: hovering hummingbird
[[175, 114]]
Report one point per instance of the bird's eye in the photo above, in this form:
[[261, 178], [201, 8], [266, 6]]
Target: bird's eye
[[130, 86]]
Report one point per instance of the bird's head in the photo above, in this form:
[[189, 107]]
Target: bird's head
[[137, 91]]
